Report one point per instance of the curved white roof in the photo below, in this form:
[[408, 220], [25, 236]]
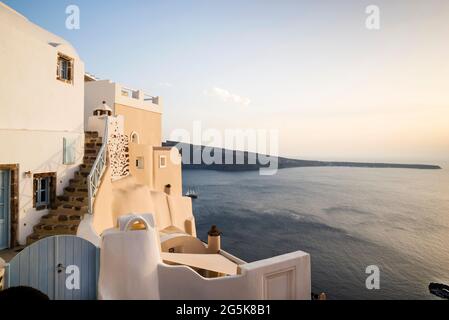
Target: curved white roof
[[12, 18]]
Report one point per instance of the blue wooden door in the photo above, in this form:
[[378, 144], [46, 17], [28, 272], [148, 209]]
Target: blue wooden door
[[63, 267], [4, 209]]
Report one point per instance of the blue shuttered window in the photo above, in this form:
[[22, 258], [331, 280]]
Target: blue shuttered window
[[42, 191]]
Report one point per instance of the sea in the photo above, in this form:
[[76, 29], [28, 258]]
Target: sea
[[346, 218]]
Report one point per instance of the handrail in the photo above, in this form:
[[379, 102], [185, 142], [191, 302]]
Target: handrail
[[147, 97], [97, 171]]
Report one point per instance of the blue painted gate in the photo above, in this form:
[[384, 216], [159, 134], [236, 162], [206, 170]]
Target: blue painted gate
[[50, 263]]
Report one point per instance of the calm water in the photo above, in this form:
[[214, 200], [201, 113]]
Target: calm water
[[346, 218]]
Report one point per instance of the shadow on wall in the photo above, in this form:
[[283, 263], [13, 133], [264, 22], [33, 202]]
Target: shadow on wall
[[54, 163]]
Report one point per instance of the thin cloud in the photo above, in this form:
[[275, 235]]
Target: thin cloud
[[227, 96], [165, 84]]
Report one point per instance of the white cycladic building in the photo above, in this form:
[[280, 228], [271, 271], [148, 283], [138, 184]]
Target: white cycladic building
[[41, 122], [125, 195]]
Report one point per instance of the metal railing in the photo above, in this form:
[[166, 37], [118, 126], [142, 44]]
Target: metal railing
[[130, 93], [147, 97], [136, 94], [97, 171]]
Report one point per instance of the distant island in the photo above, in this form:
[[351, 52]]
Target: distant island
[[247, 165]]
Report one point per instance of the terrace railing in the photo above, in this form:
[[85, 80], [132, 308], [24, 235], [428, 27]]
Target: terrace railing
[[147, 97], [98, 169], [130, 93]]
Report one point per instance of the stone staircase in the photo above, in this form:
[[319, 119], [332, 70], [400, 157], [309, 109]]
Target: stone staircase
[[70, 208]]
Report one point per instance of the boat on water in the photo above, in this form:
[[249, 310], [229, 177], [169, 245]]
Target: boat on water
[[440, 290], [191, 193]]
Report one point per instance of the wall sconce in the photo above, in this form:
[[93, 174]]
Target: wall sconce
[[28, 174]]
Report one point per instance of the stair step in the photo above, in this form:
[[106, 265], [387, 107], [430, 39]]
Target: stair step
[[34, 237], [73, 204], [93, 145], [78, 182], [77, 194], [76, 189], [91, 134], [93, 140], [38, 226], [56, 229], [80, 174], [74, 201], [91, 152], [60, 218], [87, 170], [89, 162], [66, 199], [70, 210]]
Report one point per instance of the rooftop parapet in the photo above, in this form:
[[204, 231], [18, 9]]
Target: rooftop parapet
[[137, 98], [115, 93]]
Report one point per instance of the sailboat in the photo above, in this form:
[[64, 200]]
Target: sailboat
[[192, 193]]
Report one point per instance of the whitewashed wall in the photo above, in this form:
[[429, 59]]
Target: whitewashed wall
[[36, 110], [105, 90], [31, 97], [95, 93]]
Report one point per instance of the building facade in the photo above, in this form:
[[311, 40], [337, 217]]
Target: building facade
[[47, 103], [149, 162], [82, 159], [41, 122]]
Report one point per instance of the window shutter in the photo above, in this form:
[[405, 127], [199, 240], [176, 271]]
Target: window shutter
[[69, 150], [69, 70], [52, 191], [34, 192]]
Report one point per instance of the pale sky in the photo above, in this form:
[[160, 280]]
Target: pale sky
[[311, 69]]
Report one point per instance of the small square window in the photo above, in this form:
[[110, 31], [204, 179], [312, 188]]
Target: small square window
[[140, 163], [162, 161], [64, 70]]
